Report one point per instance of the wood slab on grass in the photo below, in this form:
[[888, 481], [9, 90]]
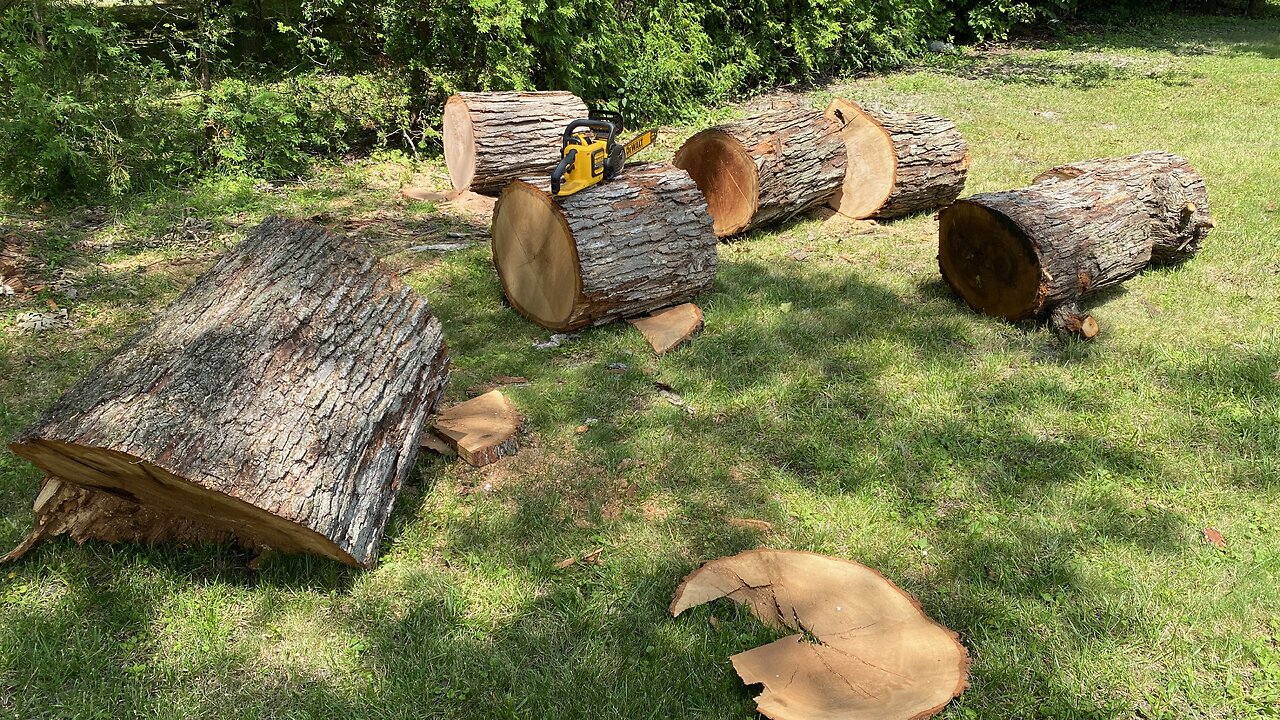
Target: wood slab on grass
[[482, 429], [462, 201], [864, 648], [670, 328]]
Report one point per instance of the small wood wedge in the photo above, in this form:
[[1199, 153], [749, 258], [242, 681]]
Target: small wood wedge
[[482, 429], [668, 329], [865, 648]]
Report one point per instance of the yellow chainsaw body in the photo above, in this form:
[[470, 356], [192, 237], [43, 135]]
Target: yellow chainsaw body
[[587, 167]]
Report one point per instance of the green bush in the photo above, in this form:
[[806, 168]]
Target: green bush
[[81, 114], [274, 130]]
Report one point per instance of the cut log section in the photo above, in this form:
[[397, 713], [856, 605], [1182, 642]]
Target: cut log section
[[867, 651], [492, 138], [1164, 181], [481, 430], [1036, 251], [668, 329], [899, 163], [279, 400], [615, 250], [765, 168]]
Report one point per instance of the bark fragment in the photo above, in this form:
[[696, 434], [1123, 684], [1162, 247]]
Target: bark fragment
[[865, 647]]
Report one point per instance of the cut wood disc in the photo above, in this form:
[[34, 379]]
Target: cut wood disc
[[872, 163], [534, 252], [482, 429], [459, 142], [668, 329], [877, 656], [989, 261]]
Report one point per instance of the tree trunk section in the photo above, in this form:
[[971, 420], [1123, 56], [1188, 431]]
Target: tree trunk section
[[618, 249], [492, 138], [765, 168], [899, 163], [279, 400], [1171, 192], [1038, 250]]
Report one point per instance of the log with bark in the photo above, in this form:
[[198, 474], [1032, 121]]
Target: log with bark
[[615, 250], [492, 138], [279, 400], [1036, 251], [765, 168], [899, 163], [1165, 181]]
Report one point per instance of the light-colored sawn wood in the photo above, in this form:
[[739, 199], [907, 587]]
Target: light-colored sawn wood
[[481, 430], [671, 327]]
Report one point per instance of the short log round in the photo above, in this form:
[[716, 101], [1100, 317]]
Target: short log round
[[626, 247], [492, 138]]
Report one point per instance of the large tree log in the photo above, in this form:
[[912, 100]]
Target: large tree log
[[492, 138], [1036, 251], [765, 168], [278, 400], [618, 249], [899, 163], [1163, 181]]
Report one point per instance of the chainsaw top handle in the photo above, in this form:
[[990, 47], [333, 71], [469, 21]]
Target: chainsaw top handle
[[598, 125]]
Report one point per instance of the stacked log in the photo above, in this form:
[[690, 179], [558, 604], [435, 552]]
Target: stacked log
[[279, 400], [898, 163], [622, 248], [1036, 251], [492, 138], [765, 168]]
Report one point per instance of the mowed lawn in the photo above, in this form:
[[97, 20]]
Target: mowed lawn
[[1047, 502]]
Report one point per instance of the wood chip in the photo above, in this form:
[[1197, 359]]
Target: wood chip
[[670, 328], [751, 524], [482, 429], [1214, 538], [567, 562]]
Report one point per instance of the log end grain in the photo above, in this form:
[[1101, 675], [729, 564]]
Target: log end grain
[[989, 261], [534, 253], [871, 165], [726, 176], [459, 143]]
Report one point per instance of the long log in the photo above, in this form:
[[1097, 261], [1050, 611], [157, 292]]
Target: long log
[[765, 168], [278, 400], [492, 138], [899, 163], [1036, 251], [1163, 181], [618, 249]]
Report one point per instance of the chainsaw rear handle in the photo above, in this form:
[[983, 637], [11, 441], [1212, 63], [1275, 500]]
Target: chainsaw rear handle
[[562, 167], [600, 125]]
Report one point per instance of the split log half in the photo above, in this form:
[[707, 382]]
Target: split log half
[[1163, 181], [620, 248], [899, 163], [1037, 250], [280, 399], [492, 138], [765, 168]]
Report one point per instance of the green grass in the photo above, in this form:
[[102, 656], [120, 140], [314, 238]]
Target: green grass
[[1045, 501]]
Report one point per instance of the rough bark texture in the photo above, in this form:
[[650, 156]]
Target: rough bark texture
[[492, 138], [1162, 182], [933, 162], [630, 246], [279, 400], [792, 159], [1036, 251]]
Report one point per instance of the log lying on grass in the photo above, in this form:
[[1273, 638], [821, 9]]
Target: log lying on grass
[[765, 168], [1036, 251], [618, 249], [492, 138], [279, 400], [1164, 181], [899, 163]]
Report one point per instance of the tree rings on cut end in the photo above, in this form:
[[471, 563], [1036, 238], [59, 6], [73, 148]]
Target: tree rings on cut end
[[989, 261], [459, 143], [726, 175], [872, 163], [535, 255]]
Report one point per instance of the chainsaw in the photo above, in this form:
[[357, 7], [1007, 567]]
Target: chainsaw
[[586, 158]]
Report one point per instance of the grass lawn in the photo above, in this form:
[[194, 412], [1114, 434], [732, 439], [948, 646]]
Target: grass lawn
[[1045, 501]]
